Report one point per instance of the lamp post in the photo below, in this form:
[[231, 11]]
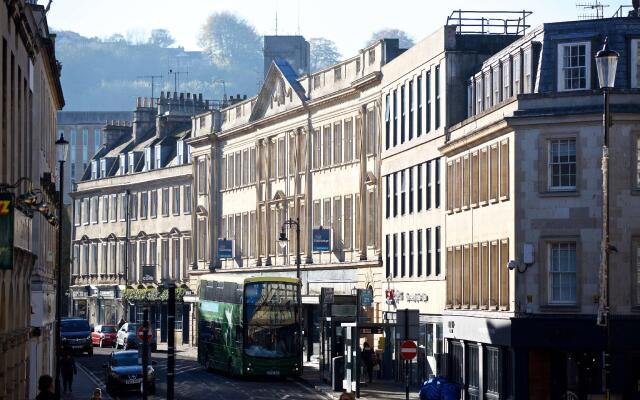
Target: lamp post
[[607, 63], [283, 240], [62, 149]]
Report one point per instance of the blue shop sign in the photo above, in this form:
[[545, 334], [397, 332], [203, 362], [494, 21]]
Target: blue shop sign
[[322, 239], [225, 248]]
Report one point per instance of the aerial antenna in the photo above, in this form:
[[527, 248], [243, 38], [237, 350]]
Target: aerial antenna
[[176, 73], [276, 17], [153, 84], [591, 9], [298, 17]]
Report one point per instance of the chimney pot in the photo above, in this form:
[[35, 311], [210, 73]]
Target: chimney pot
[[200, 97], [188, 95], [162, 94], [138, 102], [175, 95], [244, 97], [238, 96], [181, 96]]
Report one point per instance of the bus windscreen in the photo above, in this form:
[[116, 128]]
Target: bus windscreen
[[272, 320]]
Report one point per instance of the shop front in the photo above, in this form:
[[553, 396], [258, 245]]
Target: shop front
[[80, 301]]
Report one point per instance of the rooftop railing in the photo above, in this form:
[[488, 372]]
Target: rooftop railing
[[489, 22]]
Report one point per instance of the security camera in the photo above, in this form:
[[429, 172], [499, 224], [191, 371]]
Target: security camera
[[512, 264]]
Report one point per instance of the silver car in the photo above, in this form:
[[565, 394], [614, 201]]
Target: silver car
[[127, 338]]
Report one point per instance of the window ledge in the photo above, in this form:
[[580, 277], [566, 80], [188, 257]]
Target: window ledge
[[568, 308], [560, 193]]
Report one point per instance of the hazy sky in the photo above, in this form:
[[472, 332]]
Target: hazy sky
[[347, 22]]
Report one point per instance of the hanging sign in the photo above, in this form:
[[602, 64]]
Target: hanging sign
[[7, 204], [321, 239]]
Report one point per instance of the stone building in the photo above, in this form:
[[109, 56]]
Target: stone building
[[523, 222], [31, 96], [420, 93], [131, 208], [305, 148], [83, 131]]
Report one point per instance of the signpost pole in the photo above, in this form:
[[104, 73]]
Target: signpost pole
[[357, 341], [171, 356], [406, 337], [145, 354]]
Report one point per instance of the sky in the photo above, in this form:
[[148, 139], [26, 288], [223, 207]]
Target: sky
[[349, 23]]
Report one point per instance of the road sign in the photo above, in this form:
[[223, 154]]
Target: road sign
[[140, 333], [408, 350], [407, 324]]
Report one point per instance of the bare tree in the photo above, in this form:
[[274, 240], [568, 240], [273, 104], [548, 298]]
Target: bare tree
[[323, 53], [405, 40], [230, 41], [161, 38]]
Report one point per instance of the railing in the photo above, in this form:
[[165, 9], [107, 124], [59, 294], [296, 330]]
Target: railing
[[624, 11], [489, 22]]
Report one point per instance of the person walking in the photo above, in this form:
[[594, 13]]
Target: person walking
[[45, 386], [367, 359], [68, 370]]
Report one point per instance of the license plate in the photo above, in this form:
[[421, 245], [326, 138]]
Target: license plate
[[273, 373], [132, 381], [76, 347]]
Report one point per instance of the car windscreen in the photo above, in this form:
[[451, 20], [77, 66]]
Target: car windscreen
[[108, 329], [132, 328], [124, 359], [74, 326]]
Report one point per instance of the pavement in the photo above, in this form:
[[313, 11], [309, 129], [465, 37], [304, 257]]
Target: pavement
[[84, 384], [387, 390]]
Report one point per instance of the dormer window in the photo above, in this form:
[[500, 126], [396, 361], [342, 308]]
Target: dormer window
[[122, 168], [574, 66], [147, 159], [188, 150], [132, 164], [94, 169], [180, 152], [103, 168], [158, 157]]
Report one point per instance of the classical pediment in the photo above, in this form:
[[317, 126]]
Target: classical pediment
[[280, 92]]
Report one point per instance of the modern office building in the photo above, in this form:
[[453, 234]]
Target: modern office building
[[83, 131]]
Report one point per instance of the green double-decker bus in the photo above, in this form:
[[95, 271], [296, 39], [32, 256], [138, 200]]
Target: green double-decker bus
[[249, 326]]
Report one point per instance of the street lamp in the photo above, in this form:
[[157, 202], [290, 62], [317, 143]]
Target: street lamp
[[283, 241], [607, 64], [62, 149]]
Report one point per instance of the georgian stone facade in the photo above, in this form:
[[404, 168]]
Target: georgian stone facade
[[31, 96]]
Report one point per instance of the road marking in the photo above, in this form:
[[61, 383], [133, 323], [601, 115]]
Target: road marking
[[309, 390], [96, 381]]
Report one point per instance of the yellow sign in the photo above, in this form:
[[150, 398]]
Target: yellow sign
[[381, 343], [5, 207]]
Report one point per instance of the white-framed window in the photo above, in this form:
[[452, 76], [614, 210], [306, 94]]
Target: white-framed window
[[86, 210], [158, 157], [132, 163], [144, 205], [527, 70], [635, 63], [179, 152], [574, 66], [123, 206], [94, 169], [562, 164], [562, 272], [105, 208], [165, 202], [187, 199], [114, 207], [175, 208], [122, 167], [154, 203], [147, 159], [95, 206], [77, 212], [202, 176], [103, 168], [133, 211]]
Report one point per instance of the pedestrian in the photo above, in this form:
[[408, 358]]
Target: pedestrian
[[97, 394], [45, 386], [68, 370], [347, 396], [367, 359]]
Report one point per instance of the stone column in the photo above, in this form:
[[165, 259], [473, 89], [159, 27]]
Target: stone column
[[361, 140], [194, 216], [214, 201], [266, 144], [308, 195], [258, 185]]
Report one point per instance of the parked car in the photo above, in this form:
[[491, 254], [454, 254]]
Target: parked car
[[127, 338], [104, 335], [124, 373], [76, 335]]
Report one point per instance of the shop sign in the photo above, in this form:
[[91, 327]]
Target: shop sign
[[108, 294], [79, 293], [148, 274], [225, 248], [7, 204], [395, 296], [321, 239], [366, 297]]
